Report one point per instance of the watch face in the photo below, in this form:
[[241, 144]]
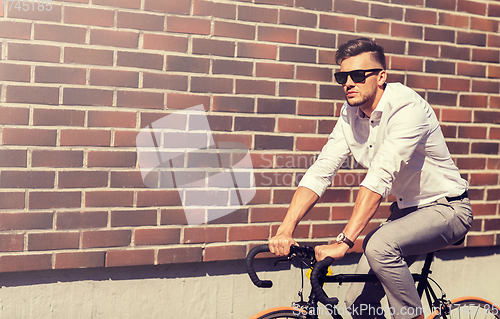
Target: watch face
[[340, 237]]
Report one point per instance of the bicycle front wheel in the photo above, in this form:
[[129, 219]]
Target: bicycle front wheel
[[469, 307], [280, 312]]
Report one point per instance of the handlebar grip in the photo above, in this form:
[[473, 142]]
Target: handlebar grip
[[320, 269], [251, 271]]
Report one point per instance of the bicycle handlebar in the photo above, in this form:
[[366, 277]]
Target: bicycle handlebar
[[320, 269], [251, 271]]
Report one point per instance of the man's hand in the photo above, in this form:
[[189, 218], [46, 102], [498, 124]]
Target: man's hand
[[280, 245], [336, 251]]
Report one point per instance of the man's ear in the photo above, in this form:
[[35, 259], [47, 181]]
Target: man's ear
[[382, 78]]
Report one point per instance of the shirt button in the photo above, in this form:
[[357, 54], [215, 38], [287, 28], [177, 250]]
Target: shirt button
[[400, 199], [371, 146], [371, 122]]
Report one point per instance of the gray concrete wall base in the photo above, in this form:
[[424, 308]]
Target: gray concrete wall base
[[217, 290]]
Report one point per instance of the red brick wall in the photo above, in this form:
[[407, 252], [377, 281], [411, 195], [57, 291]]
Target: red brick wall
[[78, 82]]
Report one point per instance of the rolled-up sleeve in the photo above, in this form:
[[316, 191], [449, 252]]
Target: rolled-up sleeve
[[407, 126], [320, 175]]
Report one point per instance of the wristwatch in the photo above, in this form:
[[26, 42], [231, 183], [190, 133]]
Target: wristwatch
[[342, 238]]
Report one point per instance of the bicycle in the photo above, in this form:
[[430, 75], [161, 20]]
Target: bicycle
[[440, 307]]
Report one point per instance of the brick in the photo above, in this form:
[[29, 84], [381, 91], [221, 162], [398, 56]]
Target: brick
[[458, 147], [140, 60], [275, 70], [204, 235], [276, 106], [434, 34], [16, 263], [30, 11], [474, 100], [14, 72], [35, 137], [233, 104], [157, 236], [211, 85], [240, 233], [24, 221], [85, 137], [320, 39], [164, 42], [90, 259], [14, 115], [470, 69], [182, 101], [422, 82], [109, 198], [351, 7], [32, 95], [471, 163], [180, 255], [111, 159], [56, 199], [407, 31], [327, 230], [334, 22], [493, 163], [295, 54], [130, 4], [456, 115], [471, 38], [392, 46], [140, 21], [479, 240], [297, 89], [88, 16], [315, 108], [11, 242], [268, 214], [483, 179], [152, 198], [220, 10], [310, 144], [406, 63], [493, 194], [423, 49], [114, 38], [187, 64], [232, 67], [473, 7], [133, 218], [105, 238], [121, 258], [45, 74], [494, 133], [124, 179], [493, 10], [277, 34], [85, 96], [88, 56], [82, 179], [493, 71], [53, 241], [438, 98], [213, 47], [255, 87], [296, 125], [164, 81], [46, 158], [79, 220], [12, 200], [171, 6], [15, 30], [277, 179], [372, 26], [234, 30], [257, 14], [140, 99], [111, 119], [254, 124], [335, 196], [266, 142], [297, 18], [451, 52], [188, 25], [386, 12], [485, 86], [59, 33], [493, 40], [483, 24], [484, 55], [314, 74], [333, 92], [453, 20], [421, 16], [257, 50], [173, 216], [227, 252], [494, 102], [484, 148]]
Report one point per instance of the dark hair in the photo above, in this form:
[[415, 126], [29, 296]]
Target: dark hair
[[355, 47]]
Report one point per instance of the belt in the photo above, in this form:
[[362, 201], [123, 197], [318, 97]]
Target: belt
[[460, 197]]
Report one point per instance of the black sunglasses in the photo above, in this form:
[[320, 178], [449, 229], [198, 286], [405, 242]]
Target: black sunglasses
[[356, 75]]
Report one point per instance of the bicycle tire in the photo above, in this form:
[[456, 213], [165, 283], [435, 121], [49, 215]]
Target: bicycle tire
[[470, 307], [280, 312]]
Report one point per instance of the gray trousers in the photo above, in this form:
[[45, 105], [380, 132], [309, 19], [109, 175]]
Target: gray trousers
[[391, 248]]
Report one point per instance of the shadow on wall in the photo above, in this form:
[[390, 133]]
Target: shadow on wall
[[190, 270]]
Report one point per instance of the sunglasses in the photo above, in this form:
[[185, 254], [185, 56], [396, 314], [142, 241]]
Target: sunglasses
[[356, 75]]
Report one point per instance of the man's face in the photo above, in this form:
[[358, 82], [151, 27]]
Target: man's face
[[362, 93]]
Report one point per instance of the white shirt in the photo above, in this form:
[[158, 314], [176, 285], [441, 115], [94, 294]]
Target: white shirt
[[402, 146]]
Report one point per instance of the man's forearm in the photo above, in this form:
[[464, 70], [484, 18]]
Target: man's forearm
[[303, 200], [367, 203]]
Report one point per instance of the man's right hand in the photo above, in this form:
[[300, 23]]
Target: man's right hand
[[280, 245]]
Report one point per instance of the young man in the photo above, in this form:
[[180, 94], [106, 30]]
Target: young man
[[393, 132]]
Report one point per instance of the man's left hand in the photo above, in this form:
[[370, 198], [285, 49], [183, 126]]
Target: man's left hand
[[336, 251]]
